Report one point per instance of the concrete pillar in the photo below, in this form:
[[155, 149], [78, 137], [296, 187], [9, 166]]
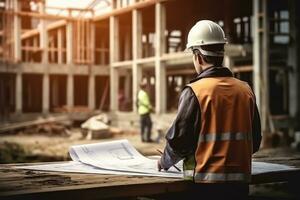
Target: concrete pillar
[[160, 69], [19, 91], [70, 90], [136, 53], [91, 92], [261, 60], [17, 32], [43, 34], [59, 46], [46, 96], [228, 20], [294, 60], [114, 56], [228, 62]]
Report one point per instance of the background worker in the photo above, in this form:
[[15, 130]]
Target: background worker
[[217, 127], [144, 110]]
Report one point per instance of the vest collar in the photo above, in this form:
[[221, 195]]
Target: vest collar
[[213, 72]]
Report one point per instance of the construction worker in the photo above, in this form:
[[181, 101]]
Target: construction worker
[[144, 109], [217, 127]]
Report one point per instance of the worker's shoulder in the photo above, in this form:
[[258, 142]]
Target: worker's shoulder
[[242, 83], [141, 93]]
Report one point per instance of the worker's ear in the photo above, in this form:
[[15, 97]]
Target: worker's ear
[[200, 59]]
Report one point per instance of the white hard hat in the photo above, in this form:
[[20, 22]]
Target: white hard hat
[[206, 32]]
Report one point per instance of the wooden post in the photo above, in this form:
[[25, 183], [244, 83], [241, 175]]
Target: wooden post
[[70, 61], [160, 69], [59, 46], [35, 45], [17, 32], [114, 56], [69, 41], [137, 53], [261, 61], [43, 34], [19, 93], [127, 84], [46, 96], [92, 42], [127, 49], [91, 92], [70, 90], [27, 51], [102, 52]]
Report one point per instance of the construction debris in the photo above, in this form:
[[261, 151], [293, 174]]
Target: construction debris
[[49, 125], [296, 143], [96, 127]]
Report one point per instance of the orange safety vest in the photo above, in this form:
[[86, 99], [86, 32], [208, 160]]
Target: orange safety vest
[[224, 148]]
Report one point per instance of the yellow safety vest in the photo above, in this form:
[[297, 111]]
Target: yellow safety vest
[[144, 105]]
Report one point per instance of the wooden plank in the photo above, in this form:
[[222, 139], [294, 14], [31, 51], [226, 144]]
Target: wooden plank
[[29, 184], [129, 8], [15, 126]]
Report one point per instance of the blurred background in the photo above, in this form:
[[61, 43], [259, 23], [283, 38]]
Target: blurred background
[[70, 69]]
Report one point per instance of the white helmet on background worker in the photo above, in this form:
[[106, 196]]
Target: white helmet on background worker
[[206, 32]]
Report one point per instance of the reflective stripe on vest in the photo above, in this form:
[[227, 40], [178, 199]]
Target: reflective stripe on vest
[[212, 137], [200, 177]]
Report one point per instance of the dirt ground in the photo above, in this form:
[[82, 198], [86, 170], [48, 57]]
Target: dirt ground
[[39, 147], [45, 147]]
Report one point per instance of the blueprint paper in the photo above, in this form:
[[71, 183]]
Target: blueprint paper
[[121, 158], [115, 157], [264, 167], [78, 167]]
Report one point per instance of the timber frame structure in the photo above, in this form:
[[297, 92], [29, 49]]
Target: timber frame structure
[[50, 62]]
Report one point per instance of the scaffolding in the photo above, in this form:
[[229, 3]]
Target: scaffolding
[[83, 57]]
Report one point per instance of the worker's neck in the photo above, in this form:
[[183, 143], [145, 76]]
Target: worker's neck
[[206, 65]]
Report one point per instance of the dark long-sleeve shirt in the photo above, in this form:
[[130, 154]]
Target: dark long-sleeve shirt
[[182, 135]]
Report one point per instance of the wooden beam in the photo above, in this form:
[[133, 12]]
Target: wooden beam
[[59, 46], [19, 93], [91, 92], [66, 9], [138, 5], [43, 35], [69, 42]]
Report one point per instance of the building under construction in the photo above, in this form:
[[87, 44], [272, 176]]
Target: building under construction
[[93, 59]]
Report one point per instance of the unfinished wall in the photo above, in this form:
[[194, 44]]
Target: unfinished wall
[[125, 37], [58, 91], [102, 42], [80, 90], [7, 95], [102, 93], [32, 93]]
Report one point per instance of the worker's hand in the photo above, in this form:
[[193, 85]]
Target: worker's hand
[[159, 166]]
